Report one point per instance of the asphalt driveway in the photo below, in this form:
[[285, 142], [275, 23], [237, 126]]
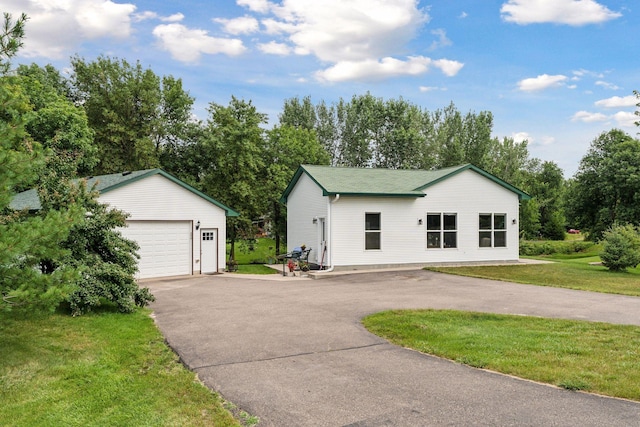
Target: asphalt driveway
[[293, 352]]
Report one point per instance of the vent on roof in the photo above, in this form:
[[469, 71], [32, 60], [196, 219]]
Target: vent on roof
[[125, 173]]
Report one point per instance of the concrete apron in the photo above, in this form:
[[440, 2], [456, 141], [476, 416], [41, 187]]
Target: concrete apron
[[294, 353]]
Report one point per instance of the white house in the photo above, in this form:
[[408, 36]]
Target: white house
[[180, 230], [357, 217]]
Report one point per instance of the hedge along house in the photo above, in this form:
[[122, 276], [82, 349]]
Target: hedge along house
[[180, 230], [355, 217]]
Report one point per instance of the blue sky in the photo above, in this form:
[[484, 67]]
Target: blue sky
[[554, 72]]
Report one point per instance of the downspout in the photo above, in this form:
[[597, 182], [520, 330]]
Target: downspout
[[330, 202]]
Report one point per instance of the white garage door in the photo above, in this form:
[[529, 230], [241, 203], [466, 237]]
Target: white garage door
[[165, 247]]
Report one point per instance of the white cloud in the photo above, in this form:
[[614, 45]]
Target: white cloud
[[570, 12], [442, 41], [587, 117], [626, 118], [275, 48], [543, 81], [371, 69], [617, 102], [176, 17], [358, 39], [242, 25], [260, 6], [144, 16], [448, 67], [519, 137], [607, 85], [463, 15], [187, 45], [431, 88], [79, 19]]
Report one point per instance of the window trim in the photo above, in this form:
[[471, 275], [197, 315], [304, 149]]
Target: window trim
[[442, 230], [372, 231]]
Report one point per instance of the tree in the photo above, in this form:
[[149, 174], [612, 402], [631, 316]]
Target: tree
[[637, 112], [605, 188], [286, 149], [133, 112], [546, 185], [621, 247], [107, 261], [11, 37], [26, 240], [235, 170]]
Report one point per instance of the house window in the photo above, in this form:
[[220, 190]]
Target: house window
[[492, 230], [372, 231], [442, 230]]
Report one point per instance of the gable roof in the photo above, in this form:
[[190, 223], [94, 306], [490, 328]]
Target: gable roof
[[104, 183], [372, 182]]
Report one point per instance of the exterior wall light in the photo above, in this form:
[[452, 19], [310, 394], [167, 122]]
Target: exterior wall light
[[198, 225]]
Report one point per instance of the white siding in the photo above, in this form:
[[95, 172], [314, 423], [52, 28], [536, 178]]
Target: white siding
[[404, 241], [156, 198], [304, 203]]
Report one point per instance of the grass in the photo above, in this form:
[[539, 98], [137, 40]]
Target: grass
[[572, 271], [576, 355], [95, 370], [251, 257]]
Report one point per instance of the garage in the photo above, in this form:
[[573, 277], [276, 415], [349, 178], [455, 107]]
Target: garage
[[165, 247], [180, 230]]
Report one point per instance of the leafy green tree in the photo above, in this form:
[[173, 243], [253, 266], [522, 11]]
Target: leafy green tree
[[637, 112], [11, 40], [133, 112], [26, 240], [235, 170], [107, 261], [58, 124], [286, 149], [605, 188], [547, 186], [621, 247], [299, 114]]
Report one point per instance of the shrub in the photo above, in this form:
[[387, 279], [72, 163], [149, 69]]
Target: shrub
[[621, 247], [545, 247]]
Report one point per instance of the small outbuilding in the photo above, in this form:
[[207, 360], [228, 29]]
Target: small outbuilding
[[363, 217], [180, 230]]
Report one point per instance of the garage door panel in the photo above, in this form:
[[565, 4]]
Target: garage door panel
[[165, 247]]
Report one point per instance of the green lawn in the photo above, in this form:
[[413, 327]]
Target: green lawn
[[572, 271], [251, 256], [96, 370], [595, 357]]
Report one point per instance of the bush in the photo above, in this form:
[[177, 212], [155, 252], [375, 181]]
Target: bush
[[621, 247], [545, 247]]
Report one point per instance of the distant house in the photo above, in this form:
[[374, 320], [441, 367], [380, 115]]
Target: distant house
[[356, 217], [180, 230]]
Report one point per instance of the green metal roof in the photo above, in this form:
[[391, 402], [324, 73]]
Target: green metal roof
[[104, 183], [384, 182]]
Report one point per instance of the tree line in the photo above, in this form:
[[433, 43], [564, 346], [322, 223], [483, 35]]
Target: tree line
[[110, 115]]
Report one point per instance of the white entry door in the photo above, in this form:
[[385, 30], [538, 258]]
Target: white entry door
[[209, 250]]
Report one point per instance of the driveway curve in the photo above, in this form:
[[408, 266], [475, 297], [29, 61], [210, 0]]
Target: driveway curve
[[294, 353]]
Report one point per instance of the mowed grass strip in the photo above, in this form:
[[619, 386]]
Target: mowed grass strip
[[568, 273], [594, 357], [97, 370]]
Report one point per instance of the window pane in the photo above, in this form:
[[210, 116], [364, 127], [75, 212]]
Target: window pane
[[372, 240], [485, 239], [499, 222], [449, 221], [372, 221], [433, 239], [433, 221], [450, 239], [485, 222], [500, 239]]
